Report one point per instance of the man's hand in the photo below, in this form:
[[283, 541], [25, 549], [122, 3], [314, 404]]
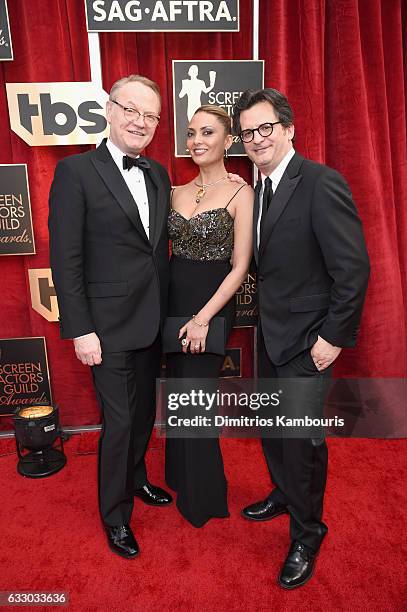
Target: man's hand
[[88, 349], [236, 178], [324, 353]]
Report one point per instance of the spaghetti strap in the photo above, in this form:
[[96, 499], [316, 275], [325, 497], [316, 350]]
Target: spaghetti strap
[[171, 194], [235, 194]]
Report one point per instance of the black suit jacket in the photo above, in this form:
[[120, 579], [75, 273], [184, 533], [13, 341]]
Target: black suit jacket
[[109, 276], [313, 267]]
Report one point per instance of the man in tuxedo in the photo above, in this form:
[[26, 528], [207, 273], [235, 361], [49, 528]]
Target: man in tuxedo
[[313, 271], [109, 259]]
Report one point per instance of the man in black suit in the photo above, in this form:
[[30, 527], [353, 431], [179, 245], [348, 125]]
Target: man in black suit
[[109, 259], [313, 271]]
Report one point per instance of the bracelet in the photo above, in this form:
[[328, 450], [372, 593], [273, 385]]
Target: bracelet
[[197, 323]]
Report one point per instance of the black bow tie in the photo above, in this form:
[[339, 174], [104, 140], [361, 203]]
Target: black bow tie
[[137, 162]]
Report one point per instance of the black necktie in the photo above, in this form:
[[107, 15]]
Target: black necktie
[[137, 162], [267, 197]]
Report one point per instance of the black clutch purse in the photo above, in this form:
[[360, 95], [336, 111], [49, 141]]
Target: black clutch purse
[[215, 339]]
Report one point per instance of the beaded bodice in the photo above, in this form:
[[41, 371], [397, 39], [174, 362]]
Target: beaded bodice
[[207, 236]]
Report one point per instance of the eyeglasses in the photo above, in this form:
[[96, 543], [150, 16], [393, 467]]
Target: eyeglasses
[[265, 129], [133, 114]]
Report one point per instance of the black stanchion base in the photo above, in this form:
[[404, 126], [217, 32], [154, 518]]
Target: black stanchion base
[[39, 464]]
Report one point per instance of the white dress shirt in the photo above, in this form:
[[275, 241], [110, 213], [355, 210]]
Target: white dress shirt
[[275, 178], [136, 183]]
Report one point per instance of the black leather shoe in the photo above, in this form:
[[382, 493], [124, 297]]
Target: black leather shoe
[[298, 567], [153, 496], [263, 510], [122, 541]]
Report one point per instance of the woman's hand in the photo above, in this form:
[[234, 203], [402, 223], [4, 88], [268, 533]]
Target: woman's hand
[[195, 337]]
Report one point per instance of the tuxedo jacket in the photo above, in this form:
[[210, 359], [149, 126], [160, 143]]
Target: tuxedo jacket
[[110, 277], [312, 263]]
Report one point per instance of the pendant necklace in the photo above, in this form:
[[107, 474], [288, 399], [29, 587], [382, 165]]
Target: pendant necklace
[[202, 188]]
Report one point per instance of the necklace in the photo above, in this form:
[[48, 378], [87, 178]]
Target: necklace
[[202, 188]]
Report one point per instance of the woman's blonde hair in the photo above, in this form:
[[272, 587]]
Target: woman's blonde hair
[[219, 113]]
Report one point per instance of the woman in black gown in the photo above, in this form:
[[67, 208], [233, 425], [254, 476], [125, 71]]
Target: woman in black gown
[[210, 225]]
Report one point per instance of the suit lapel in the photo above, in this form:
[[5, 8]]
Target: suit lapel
[[281, 197], [151, 189], [256, 219], [111, 176], [158, 205]]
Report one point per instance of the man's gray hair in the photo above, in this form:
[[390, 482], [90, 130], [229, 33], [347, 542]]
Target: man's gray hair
[[134, 78]]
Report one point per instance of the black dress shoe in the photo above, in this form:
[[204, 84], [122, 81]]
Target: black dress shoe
[[263, 510], [298, 567], [122, 541], [153, 496]]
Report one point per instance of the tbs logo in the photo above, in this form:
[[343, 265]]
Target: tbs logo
[[57, 113]]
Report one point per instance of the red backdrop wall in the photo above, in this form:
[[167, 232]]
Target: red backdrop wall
[[342, 65]]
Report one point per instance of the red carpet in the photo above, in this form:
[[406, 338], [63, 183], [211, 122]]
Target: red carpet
[[51, 538]]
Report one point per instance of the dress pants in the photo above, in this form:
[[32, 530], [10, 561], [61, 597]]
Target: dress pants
[[298, 466], [125, 388]]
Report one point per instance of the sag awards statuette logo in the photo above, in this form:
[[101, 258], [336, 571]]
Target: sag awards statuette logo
[[162, 16], [24, 375], [57, 113], [43, 294], [220, 82], [16, 231], [6, 48]]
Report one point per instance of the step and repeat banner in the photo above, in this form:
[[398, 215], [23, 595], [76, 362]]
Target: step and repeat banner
[[57, 66], [50, 114]]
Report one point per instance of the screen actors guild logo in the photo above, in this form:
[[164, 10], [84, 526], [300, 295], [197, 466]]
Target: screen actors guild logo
[[16, 231], [246, 300], [24, 374], [220, 82]]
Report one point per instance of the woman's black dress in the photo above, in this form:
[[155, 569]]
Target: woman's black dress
[[202, 248]]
